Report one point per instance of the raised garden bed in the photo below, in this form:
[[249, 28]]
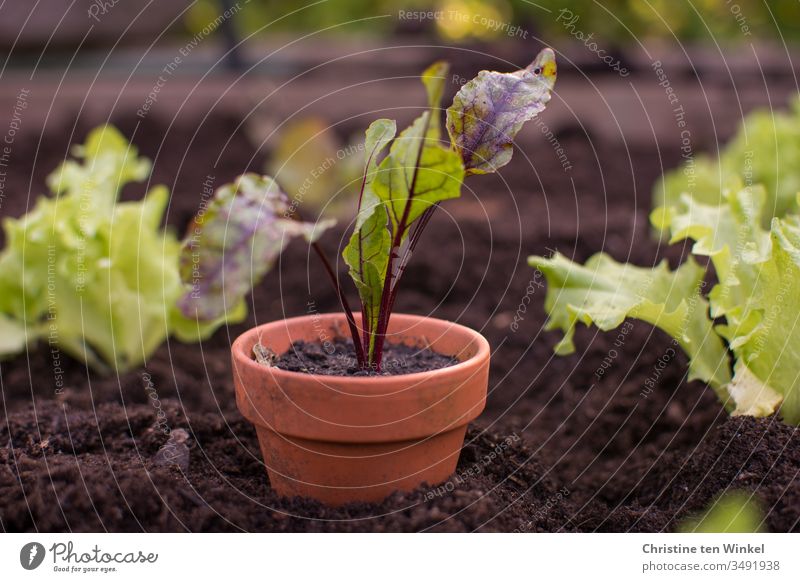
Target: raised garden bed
[[560, 447]]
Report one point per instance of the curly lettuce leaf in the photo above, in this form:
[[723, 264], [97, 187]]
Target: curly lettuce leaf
[[765, 150], [604, 292], [766, 339], [745, 259], [731, 235], [488, 112], [103, 166], [235, 242]]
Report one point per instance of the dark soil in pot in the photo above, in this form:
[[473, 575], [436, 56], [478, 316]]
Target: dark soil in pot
[[610, 439], [337, 357]]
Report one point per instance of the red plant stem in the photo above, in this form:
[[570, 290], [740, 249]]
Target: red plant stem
[[383, 315], [415, 236], [385, 311], [351, 322], [348, 313]]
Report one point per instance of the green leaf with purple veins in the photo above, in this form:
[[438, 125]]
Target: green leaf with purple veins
[[235, 242], [417, 174], [367, 253], [488, 112]]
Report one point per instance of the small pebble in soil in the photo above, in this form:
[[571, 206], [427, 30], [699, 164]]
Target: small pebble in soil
[[338, 358], [264, 355]]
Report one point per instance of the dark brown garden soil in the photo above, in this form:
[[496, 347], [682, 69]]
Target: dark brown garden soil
[[587, 447], [338, 358]]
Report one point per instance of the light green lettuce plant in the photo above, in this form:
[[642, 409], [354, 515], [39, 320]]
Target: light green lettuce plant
[[93, 276], [765, 150], [754, 308]]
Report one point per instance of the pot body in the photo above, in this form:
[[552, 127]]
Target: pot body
[[342, 439]]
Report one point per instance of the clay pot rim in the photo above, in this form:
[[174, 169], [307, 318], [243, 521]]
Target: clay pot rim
[[471, 364]]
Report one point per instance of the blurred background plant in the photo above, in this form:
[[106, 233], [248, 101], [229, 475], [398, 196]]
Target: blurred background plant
[[315, 167], [622, 21], [731, 512]]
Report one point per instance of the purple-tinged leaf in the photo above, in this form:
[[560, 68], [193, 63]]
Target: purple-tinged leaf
[[233, 243], [489, 110]]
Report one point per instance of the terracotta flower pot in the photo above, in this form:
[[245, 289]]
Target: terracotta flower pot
[[343, 439]]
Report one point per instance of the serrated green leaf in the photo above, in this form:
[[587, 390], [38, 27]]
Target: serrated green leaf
[[730, 234], [604, 292], [765, 150], [96, 277], [766, 338], [106, 163]]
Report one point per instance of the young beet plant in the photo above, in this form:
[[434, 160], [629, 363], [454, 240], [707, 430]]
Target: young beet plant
[[248, 224]]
